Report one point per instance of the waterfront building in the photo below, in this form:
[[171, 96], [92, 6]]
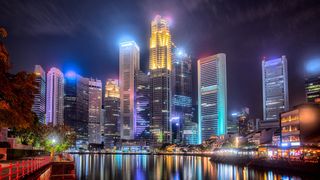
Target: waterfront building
[[300, 126], [160, 70], [312, 88], [243, 121], [212, 96], [54, 97], [111, 131], [275, 90], [142, 99], [129, 61], [181, 105], [76, 106], [95, 105], [39, 105]]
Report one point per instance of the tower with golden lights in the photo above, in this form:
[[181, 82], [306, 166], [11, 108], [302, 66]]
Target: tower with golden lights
[[160, 69]]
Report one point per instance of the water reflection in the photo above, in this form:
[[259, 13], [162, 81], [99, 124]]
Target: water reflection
[[142, 167]]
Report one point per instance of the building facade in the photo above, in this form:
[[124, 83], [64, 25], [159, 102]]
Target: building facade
[[111, 131], [129, 62], [275, 90], [181, 105], [39, 106], [76, 106], [95, 105], [212, 96], [142, 99], [160, 71], [312, 88], [54, 97]]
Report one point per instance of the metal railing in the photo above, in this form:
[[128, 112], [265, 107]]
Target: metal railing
[[19, 169]]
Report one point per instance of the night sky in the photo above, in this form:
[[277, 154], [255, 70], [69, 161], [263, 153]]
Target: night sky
[[84, 37]]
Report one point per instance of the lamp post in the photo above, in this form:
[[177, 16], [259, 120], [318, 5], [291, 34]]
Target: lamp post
[[53, 142]]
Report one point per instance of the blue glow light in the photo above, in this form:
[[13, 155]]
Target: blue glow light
[[313, 66], [71, 75]]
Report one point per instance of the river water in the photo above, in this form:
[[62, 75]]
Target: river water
[[140, 167]]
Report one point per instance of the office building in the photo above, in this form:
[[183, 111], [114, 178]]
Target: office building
[[112, 113], [312, 88], [181, 105], [160, 70], [275, 90], [39, 106], [142, 98], [129, 65], [76, 106], [212, 96], [95, 105], [54, 97]]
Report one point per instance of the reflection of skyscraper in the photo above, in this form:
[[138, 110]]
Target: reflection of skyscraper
[[76, 107], [54, 99], [95, 104], [181, 98], [160, 67], [39, 106], [142, 100], [212, 96], [112, 108], [312, 88], [275, 90], [129, 62]]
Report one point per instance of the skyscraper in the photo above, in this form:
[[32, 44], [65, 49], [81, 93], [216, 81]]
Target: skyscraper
[[275, 91], [181, 114], [212, 96], [312, 88], [54, 97], [129, 61], [39, 106], [112, 108], [76, 106], [142, 99], [160, 69], [95, 105]]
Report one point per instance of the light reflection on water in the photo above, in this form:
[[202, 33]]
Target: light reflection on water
[[140, 167]]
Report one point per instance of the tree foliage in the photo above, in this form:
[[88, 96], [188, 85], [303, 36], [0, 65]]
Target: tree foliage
[[16, 93]]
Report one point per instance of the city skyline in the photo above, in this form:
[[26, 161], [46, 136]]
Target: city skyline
[[59, 44]]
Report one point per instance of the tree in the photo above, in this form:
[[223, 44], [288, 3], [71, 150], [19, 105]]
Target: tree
[[58, 138], [16, 92]]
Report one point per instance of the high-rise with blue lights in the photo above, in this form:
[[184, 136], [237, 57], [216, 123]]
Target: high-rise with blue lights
[[212, 96], [39, 106], [312, 88], [181, 105], [129, 62], [54, 97], [160, 71], [76, 106], [142, 99], [275, 90]]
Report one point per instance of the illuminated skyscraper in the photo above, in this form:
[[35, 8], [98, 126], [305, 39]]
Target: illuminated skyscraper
[[112, 108], [312, 88], [142, 99], [275, 91], [160, 69], [129, 62], [212, 96], [54, 97], [95, 104], [76, 106], [181, 115], [39, 106]]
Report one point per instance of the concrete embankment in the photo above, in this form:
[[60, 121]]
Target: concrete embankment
[[278, 165]]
